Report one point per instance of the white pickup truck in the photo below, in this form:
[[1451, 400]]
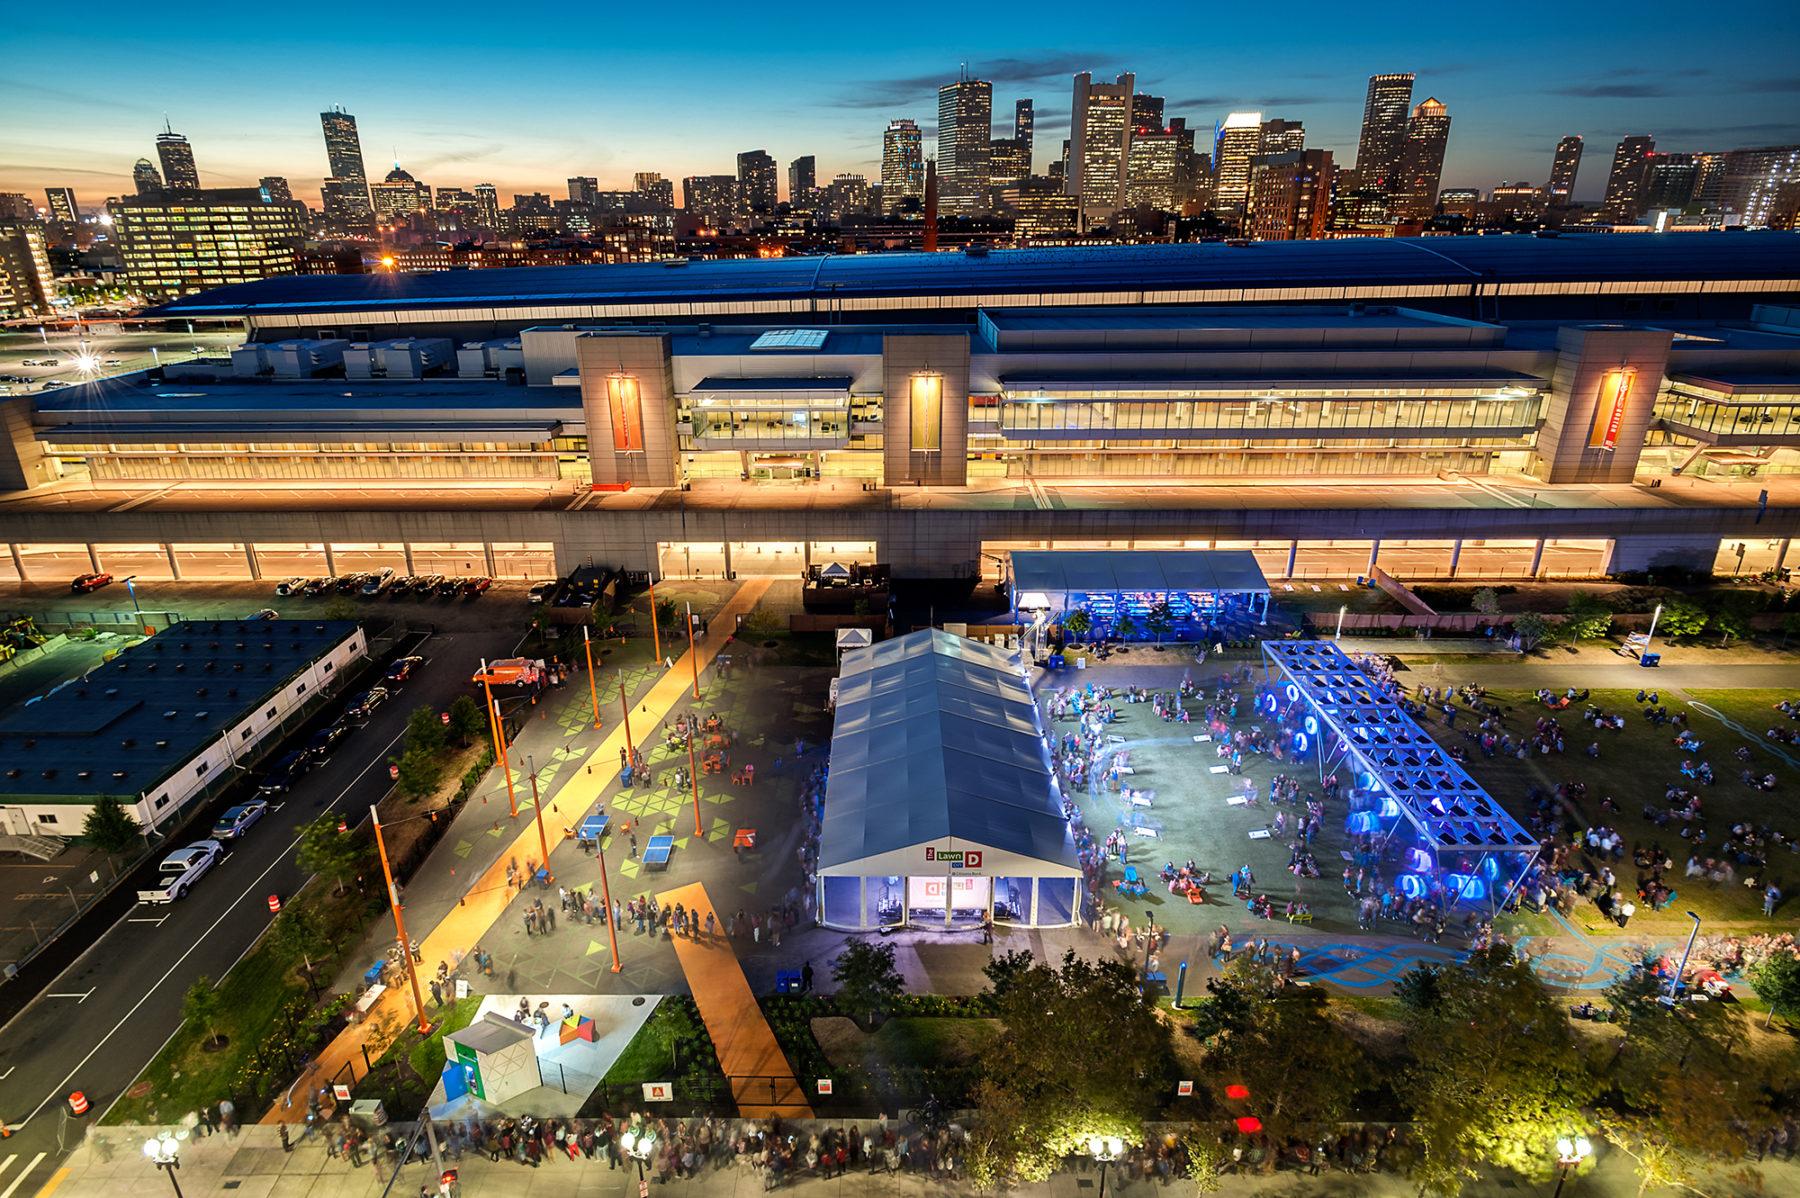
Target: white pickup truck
[[181, 869]]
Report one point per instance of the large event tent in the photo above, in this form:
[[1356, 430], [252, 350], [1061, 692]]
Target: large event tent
[[1199, 585]]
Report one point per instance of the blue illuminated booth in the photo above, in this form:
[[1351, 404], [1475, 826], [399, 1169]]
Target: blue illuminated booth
[[1204, 588]]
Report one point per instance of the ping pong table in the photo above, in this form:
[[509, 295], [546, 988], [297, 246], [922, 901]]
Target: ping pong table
[[593, 827], [657, 850]]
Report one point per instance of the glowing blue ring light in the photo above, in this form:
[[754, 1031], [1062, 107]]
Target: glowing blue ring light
[[1311, 726], [1293, 692], [1412, 885], [1300, 742]]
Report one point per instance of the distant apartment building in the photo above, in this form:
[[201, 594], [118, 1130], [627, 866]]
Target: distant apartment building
[[1290, 196], [63, 208], [1624, 200], [756, 182], [711, 200], [399, 196], [27, 286], [343, 150], [658, 192], [1383, 138], [1564, 166], [1415, 191]]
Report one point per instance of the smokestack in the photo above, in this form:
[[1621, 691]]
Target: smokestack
[[931, 205]]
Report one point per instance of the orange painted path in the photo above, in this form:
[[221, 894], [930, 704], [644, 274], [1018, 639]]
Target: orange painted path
[[762, 1082], [486, 900]]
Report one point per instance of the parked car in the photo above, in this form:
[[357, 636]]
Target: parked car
[[113, 362], [237, 820], [285, 773], [426, 584], [366, 703], [289, 586], [28, 361], [374, 584], [402, 585], [349, 583], [53, 384], [267, 613], [449, 588], [181, 869], [90, 582], [477, 586], [540, 592], [402, 669], [325, 740], [317, 586]]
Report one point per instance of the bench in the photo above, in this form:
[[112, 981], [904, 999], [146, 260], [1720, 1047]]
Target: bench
[[1300, 917]]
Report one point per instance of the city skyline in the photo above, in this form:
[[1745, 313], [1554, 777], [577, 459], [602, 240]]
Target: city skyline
[[835, 104]]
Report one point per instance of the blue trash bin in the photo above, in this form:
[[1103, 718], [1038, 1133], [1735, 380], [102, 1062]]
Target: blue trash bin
[[1649, 659]]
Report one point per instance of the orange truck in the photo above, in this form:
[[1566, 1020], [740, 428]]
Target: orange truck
[[511, 671]]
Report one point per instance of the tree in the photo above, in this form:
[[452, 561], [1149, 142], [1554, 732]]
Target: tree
[[1790, 624], [201, 1005], [762, 622], [1731, 614], [1486, 603], [1083, 1053], [1531, 628], [1159, 619], [330, 853], [467, 720], [1297, 1063], [420, 773], [425, 732], [109, 827], [1682, 617], [1078, 623], [1124, 626], [665, 614], [299, 930], [1495, 1076], [866, 978], [1776, 981], [1589, 618]]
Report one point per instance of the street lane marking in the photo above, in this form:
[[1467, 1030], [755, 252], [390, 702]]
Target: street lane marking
[[82, 997], [225, 912], [141, 919], [20, 1179]]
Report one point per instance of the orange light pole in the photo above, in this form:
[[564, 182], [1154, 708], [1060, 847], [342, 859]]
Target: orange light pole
[[655, 633], [612, 934], [412, 973], [537, 808], [694, 774], [692, 656], [593, 692], [512, 801], [625, 709]]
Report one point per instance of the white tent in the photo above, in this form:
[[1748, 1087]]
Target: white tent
[[853, 638], [942, 802]]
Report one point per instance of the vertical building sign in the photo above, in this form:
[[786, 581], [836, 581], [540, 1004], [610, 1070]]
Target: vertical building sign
[[627, 409], [1615, 389], [927, 412]]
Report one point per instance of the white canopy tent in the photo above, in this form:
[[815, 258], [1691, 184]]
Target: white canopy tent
[[941, 804]]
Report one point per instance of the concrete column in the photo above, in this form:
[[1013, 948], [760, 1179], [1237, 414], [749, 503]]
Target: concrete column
[[93, 559], [487, 548], [1780, 553], [1537, 557], [18, 561], [250, 561], [406, 548], [1374, 552], [727, 544], [174, 566], [330, 563], [1455, 555], [1293, 554]]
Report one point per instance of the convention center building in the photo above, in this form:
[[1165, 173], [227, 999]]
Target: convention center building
[[1570, 406]]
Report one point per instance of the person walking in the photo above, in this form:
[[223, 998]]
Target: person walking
[[806, 978]]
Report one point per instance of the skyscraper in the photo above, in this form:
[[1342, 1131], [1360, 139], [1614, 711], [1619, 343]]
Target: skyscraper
[[399, 196], [902, 167], [756, 181], [179, 172], [658, 192], [1625, 183], [1239, 140], [343, 149], [1100, 143], [1754, 182], [965, 129], [1563, 169], [63, 209], [276, 188], [1154, 171], [1415, 189], [1283, 137], [1290, 196], [712, 200], [146, 178], [584, 189], [803, 180], [1146, 111], [1023, 120], [1383, 137], [487, 202], [1669, 180]]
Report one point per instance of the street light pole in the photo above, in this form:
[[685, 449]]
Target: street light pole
[[1681, 970], [537, 809], [593, 691], [612, 933], [1340, 627], [406, 949], [131, 589], [1569, 1155], [655, 632], [1654, 617], [165, 1153], [1105, 1150], [692, 656]]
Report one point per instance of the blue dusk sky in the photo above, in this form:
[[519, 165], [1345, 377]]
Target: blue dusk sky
[[464, 93]]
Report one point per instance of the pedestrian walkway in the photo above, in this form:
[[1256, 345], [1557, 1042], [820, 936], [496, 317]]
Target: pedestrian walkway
[[485, 901], [761, 1080]]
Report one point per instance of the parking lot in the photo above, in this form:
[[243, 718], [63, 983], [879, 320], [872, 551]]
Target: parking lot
[[75, 358]]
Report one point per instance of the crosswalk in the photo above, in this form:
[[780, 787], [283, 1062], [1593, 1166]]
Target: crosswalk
[[19, 1180]]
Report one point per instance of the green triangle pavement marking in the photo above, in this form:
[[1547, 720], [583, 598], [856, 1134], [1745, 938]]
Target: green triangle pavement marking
[[720, 830], [748, 888], [463, 849], [629, 868], [496, 830], [594, 946]]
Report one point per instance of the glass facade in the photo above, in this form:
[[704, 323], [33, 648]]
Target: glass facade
[[1700, 410], [1124, 415]]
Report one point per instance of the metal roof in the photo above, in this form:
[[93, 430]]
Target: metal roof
[[1104, 572], [1153, 274], [939, 737]]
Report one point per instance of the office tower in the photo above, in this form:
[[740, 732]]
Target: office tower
[[712, 200], [1283, 137], [1415, 189], [902, 168], [1146, 111], [658, 193], [1462, 201], [1625, 183], [1023, 119], [458, 200], [1239, 140], [487, 201], [1752, 183], [27, 286], [848, 195], [1155, 168], [179, 172], [15, 206], [1009, 160], [1383, 137], [1709, 178], [276, 186], [178, 244], [1290, 196], [1099, 144], [965, 131], [584, 189], [146, 178], [1040, 210], [63, 209], [1668, 180], [756, 181], [803, 179], [343, 150], [1513, 201], [1563, 169], [398, 197]]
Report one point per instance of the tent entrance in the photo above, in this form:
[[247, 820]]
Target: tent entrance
[[956, 901]]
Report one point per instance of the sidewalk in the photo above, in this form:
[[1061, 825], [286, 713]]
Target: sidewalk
[[252, 1165], [485, 899]]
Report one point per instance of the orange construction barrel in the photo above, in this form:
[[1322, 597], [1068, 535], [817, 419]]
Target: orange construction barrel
[[78, 1103], [274, 902]]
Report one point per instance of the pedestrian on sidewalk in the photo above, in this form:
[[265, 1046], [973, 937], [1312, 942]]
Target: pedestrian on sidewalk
[[806, 978], [437, 993], [285, 1145]]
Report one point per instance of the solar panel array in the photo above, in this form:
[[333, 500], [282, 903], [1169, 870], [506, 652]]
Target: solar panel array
[[1449, 808]]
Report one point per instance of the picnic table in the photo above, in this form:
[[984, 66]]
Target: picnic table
[[745, 838], [657, 850]]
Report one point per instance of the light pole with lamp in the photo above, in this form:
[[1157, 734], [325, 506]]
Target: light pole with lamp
[[131, 590], [1340, 627], [165, 1153], [1569, 1155], [640, 1147], [1668, 1000], [1648, 636], [1105, 1150]]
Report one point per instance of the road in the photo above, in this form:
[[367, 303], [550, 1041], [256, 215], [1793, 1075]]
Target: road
[[100, 1023], [133, 351]]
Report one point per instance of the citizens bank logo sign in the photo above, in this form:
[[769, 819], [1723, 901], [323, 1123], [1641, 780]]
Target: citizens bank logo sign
[[955, 858]]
